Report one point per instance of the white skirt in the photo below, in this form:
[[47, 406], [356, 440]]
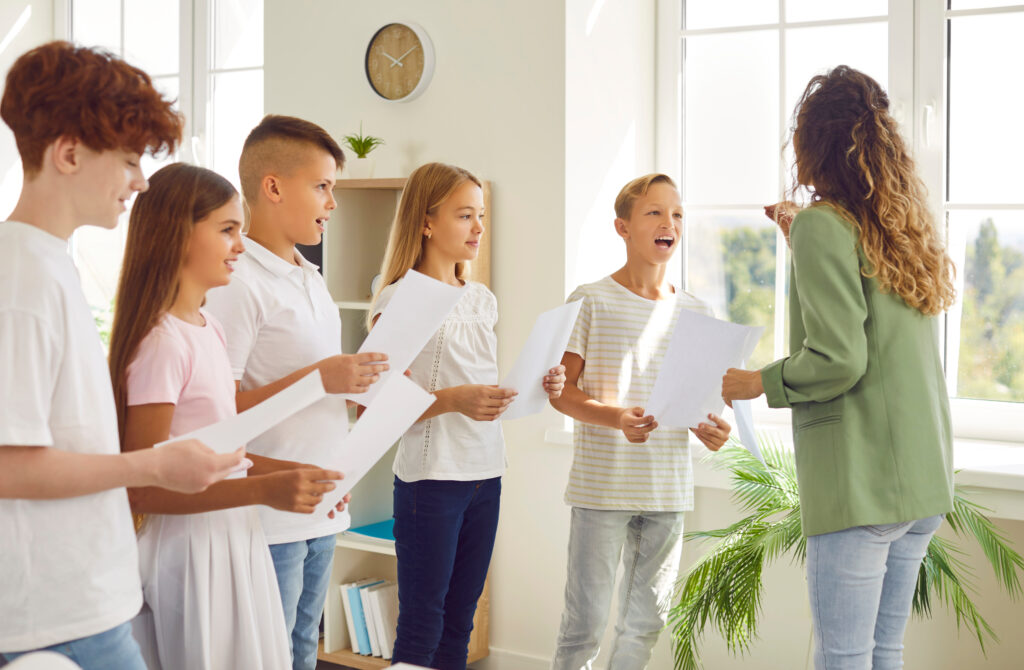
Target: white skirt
[[211, 594]]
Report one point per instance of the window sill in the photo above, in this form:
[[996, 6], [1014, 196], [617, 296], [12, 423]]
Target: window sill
[[993, 471]]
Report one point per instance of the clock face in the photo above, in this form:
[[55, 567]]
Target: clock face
[[396, 60]]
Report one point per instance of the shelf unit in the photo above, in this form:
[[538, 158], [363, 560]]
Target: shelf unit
[[350, 257]]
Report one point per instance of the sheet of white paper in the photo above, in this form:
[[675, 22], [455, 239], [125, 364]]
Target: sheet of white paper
[[417, 309], [238, 430], [397, 406], [689, 384], [745, 424], [543, 350]]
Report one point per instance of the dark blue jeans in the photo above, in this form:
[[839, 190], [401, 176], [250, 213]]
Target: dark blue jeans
[[444, 535]]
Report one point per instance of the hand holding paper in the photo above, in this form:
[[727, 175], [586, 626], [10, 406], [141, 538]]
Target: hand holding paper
[[543, 350], [689, 384]]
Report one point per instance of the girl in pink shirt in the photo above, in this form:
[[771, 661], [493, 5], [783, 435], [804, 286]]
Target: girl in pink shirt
[[207, 576]]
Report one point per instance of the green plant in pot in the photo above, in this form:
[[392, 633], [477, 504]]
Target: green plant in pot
[[723, 589], [361, 145]]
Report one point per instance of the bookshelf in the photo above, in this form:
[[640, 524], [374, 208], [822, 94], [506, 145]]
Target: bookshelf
[[350, 256]]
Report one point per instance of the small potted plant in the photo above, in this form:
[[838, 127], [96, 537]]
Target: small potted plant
[[361, 167]]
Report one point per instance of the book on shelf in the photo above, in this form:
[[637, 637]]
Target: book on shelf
[[361, 642], [382, 532], [349, 621], [370, 619], [384, 602]]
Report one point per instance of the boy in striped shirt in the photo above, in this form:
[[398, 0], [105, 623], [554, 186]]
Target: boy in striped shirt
[[630, 484]]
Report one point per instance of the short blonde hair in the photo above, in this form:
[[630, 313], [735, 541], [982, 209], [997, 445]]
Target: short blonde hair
[[637, 188]]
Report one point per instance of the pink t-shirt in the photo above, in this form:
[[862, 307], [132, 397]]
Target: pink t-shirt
[[187, 366]]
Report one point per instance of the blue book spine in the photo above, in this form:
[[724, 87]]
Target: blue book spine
[[362, 641], [359, 617]]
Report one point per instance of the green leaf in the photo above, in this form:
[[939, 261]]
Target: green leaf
[[361, 144]]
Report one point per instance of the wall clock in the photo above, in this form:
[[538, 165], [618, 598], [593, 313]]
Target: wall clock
[[399, 61]]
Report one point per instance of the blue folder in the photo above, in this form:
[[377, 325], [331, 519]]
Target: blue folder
[[382, 530]]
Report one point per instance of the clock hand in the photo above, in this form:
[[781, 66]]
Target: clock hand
[[402, 57], [393, 60]]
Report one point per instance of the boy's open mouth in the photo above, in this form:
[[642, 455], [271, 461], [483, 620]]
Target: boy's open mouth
[[665, 241]]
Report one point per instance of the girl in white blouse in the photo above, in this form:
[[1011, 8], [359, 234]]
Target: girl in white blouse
[[449, 464]]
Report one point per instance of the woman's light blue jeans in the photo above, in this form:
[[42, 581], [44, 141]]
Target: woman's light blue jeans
[[861, 582], [650, 545]]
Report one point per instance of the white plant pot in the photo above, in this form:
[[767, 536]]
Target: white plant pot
[[359, 168]]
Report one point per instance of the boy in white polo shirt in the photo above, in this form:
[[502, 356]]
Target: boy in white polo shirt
[[68, 560], [629, 484], [281, 322]]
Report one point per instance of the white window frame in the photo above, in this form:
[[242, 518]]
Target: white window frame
[[195, 72], [917, 91]]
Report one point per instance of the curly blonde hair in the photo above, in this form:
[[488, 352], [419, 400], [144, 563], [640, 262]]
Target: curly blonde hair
[[849, 154]]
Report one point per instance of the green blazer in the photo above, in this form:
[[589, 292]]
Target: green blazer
[[871, 420]]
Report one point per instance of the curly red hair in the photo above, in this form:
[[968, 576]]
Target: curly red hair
[[62, 90]]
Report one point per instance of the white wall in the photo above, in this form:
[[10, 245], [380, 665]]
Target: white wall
[[24, 24]]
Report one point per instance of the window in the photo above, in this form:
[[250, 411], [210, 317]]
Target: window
[[744, 64], [206, 54]]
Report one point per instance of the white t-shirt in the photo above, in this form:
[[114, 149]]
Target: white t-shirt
[[622, 338], [277, 318], [69, 567], [464, 350]]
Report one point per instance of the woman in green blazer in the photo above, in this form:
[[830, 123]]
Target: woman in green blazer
[[864, 377]]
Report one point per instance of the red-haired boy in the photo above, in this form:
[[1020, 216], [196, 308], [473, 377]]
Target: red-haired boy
[[81, 119]]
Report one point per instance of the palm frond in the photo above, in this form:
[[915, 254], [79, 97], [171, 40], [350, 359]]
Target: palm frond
[[723, 588]]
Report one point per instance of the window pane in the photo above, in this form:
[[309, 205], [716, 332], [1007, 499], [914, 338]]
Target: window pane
[[237, 108], [986, 137], [151, 35], [97, 23], [730, 263], [731, 112], [238, 33], [811, 51], [169, 88], [821, 10], [991, 363], [727, 13]]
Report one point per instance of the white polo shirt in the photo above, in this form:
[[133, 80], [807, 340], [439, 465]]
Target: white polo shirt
[[69, 567], [279, 317]]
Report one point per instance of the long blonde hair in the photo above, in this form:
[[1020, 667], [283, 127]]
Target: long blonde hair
[[849, 154], [427, 187]]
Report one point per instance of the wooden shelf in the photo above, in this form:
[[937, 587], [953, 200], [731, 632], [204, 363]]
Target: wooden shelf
[[351, 659], [385, 184], [353, 304], [347, 541]]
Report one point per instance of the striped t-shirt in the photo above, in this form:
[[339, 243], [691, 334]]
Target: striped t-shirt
[[622, 338]]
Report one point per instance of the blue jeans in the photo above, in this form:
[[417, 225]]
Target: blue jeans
[[444, 535], [114, 649], [650, 544], [861, 582], [303, 571]]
